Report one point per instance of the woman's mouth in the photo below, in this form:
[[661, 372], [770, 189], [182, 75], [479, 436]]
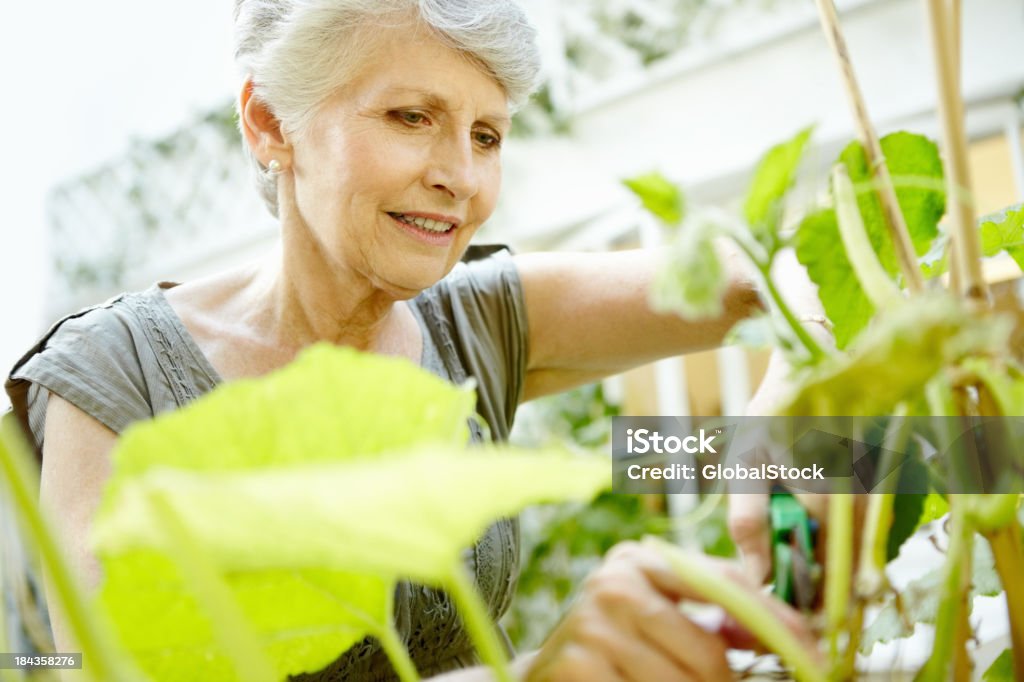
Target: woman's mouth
[[429, 230]]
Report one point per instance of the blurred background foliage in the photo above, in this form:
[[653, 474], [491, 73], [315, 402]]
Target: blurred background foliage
[[561, 544]]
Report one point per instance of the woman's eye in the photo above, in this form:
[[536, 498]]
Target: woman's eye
[[411, 117], [486, 139]]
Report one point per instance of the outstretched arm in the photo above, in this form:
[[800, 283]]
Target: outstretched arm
[[589, 318]]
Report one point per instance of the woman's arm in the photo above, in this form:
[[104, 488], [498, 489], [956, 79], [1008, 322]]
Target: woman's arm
[[588, 316], [76, 463]]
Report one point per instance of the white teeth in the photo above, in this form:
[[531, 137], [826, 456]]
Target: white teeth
[[425, 223]]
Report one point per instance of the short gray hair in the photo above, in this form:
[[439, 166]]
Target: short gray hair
[[299, 52]]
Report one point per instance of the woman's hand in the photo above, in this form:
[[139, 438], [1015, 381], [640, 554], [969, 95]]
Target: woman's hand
[[626, 626]]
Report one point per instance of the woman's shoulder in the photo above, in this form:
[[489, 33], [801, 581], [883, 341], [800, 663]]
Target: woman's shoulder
[[477, 318], [115, 361]]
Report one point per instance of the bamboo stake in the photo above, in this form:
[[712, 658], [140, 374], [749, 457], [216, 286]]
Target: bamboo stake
[[966, 242], [894, 221]]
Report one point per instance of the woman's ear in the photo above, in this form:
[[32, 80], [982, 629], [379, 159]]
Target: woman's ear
[[261, 129]]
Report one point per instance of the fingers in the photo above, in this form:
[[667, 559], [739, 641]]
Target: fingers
[[574, 663], [663, 579], [748, 526], [678, 638]]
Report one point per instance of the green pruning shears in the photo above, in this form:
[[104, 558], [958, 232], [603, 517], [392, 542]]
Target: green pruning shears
[[796, 575]]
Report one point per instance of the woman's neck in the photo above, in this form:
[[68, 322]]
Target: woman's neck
[[301, 297]]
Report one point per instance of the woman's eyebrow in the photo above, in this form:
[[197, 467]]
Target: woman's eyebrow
[[434, 100]]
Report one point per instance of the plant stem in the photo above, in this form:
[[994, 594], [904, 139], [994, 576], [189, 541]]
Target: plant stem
[[481, 628], [98, 649], [949, 646], [897, 226], [871, 580], [848, 665], [966, 241], [6, 674], [838, 571], [761, 260], [815, 351], [746, 609], [1008, 552], [392, 645], [869, 271], [230, 626]]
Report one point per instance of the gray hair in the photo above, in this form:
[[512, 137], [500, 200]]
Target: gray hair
[[299, 52]]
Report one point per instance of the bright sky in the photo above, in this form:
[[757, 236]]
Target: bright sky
[[79, 81]]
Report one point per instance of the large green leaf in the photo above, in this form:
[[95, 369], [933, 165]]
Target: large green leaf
[[819, 248], [773, 177], [404, 515], [894, 358], [660, 196], [331, 403], [265, 476], [304, 618], [914, 163]]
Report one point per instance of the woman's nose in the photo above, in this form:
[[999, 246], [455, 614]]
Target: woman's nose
[[453, 169]]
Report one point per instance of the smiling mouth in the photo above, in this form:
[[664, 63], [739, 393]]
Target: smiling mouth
[[435, 226]]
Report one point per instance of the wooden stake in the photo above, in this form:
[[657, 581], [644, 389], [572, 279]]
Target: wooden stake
[[897, 226], [960, 211]]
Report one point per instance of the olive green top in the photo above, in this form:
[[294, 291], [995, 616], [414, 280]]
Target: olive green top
[[131, 358]]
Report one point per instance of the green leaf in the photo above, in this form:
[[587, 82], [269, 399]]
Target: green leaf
[[916, 168], [920, 600], [260, 452], [894, 358], [394, 516], [691, 280], [660, 196], [935, 507], [819, 248], [773, 177], [1001, 669], [332, 403], [306, 617], [907, 510], [914, 163], [1004, 231]]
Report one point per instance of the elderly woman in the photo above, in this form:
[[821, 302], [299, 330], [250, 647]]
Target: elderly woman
[[375, 130]]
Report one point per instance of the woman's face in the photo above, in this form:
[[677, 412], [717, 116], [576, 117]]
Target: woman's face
[[400, 168]]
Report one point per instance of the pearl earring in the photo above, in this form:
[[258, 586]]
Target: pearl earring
[[274, 167]]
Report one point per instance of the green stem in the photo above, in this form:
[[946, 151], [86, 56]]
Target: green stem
[[230, 626], [481, 628], [871, 581], [99, 653], [815, 350], [1008, 552], [878, 519], [762, 261], [393, 646], [6, 674], [745, 608], [955, 586], [838, 572]]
